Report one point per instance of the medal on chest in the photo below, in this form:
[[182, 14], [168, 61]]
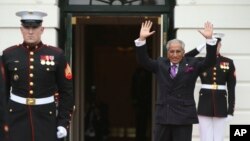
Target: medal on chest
[[47, 60]]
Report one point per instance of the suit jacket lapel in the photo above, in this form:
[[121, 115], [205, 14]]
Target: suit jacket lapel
[[181, 68], [168, 64]]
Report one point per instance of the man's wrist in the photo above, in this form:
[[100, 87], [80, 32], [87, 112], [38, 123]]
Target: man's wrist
[[141, 39]]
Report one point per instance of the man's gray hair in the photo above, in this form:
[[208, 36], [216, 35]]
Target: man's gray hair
[[176, 41]]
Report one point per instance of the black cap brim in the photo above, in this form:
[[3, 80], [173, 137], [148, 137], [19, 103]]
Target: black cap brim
[[31, 23], [219, 39]]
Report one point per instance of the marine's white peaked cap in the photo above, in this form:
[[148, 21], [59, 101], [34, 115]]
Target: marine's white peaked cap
[[31, 18], [218, 35], [31, 15]]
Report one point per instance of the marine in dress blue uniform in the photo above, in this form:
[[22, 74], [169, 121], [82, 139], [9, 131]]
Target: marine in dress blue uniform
[[35, 73], [217, 95]]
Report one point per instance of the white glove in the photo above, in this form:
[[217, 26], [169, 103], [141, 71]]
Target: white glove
[[61, 132], [229, 118]]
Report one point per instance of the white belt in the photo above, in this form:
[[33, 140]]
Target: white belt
[[32, 101], [213, 86]]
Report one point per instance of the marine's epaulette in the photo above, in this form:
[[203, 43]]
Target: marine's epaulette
[[12, 47], [225, 58], [57, 49]]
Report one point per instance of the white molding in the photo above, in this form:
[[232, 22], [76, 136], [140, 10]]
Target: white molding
[[9, 19], [212, 2], [34, 2], [230, 43], [233, 17]]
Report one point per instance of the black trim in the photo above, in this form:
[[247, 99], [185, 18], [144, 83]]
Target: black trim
[[117, 9], [78, 10]]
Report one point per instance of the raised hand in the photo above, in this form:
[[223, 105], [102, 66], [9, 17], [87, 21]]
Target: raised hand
[[207, 32], [145, 30]]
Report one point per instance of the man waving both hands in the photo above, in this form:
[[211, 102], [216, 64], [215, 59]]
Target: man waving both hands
[[175, 106]]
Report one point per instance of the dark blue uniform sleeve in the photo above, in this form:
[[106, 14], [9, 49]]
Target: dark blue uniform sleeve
[[65, 90], [2, 101], [231, 83]]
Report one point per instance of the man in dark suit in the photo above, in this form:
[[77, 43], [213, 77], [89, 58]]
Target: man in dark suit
[[175, 105]]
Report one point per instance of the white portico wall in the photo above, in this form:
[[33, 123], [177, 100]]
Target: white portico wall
[[232, 18], [9, 24]]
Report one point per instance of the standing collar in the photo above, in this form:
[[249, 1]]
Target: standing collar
[[32, 46]]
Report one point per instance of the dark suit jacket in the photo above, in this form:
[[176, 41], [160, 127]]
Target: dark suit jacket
[[175, 99], [217, 103]]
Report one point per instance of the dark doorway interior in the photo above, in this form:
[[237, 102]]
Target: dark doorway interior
[[118, 92]]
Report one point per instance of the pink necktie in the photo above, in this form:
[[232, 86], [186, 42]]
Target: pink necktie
[[173, 71]]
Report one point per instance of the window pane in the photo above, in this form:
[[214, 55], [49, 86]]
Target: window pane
[[117, 2]]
